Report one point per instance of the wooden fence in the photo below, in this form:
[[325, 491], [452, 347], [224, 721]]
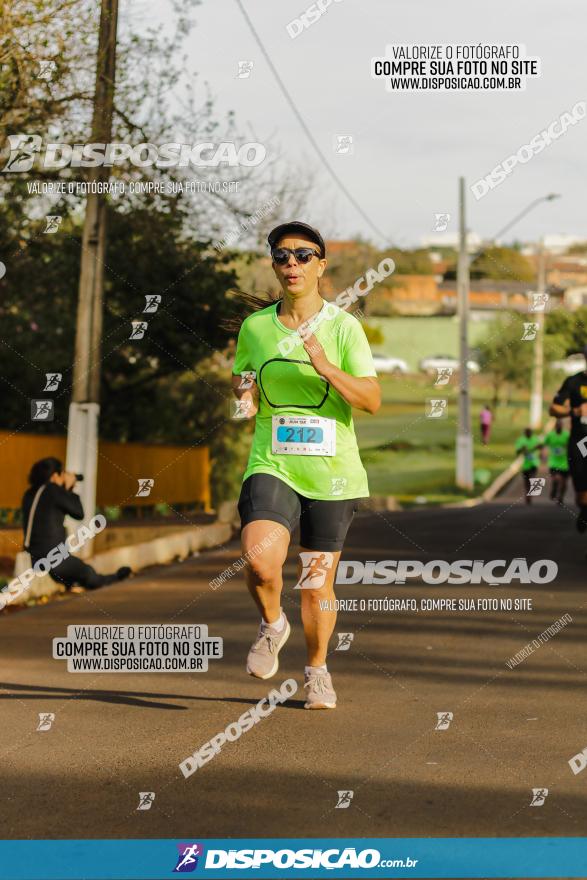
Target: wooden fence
[[181, 473]]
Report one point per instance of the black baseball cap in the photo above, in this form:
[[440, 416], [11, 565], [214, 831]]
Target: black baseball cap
[[296, 226]]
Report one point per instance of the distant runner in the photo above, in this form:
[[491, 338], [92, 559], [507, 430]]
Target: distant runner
[[311, 364], [485, 421], [529, 445], [557, 442], [571, 400]]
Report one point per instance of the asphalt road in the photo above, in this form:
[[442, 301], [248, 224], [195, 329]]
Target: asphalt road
[[115, 735]]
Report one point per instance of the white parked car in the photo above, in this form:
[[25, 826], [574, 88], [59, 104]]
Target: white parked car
[[574, 363], [392, 365], [445, 361]]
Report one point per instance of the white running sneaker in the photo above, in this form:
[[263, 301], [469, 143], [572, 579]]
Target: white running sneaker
[[263, 659], [321, 694]]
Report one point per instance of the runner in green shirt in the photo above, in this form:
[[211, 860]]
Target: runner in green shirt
[[557, 443], [529, 445], [301, 364]]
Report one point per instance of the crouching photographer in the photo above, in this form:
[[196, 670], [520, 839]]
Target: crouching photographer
[[45, 503]]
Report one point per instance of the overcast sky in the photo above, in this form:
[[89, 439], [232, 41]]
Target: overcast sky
[[409, 148]]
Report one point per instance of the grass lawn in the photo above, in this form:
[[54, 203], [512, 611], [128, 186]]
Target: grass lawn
[[409, 455], [414, 338]]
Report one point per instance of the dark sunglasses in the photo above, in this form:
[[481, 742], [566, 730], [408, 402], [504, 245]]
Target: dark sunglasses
[[302, 255]]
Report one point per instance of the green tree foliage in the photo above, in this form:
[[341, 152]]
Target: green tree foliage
[[569, 327], [580, 249], [502, 264], [147, 254], [44, 48], [345, 266], [374, 334], [415, 262], [174, 384], [507, 359]]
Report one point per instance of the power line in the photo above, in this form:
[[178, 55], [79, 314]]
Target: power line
[[307, 131]]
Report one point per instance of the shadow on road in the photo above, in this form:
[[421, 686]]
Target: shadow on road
[[125, 698]]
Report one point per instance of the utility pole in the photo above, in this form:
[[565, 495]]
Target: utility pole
[[82, 430], [464, 450], [538, 365]]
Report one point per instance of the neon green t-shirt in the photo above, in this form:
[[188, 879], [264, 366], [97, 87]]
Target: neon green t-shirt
[[557, 449], [528, 446], [290, 386]]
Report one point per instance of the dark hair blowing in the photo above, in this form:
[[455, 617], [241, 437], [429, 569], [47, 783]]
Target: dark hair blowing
[[247, 303], [43, 470]]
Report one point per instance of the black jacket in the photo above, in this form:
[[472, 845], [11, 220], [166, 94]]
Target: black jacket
[[48, 530], [574, 390]]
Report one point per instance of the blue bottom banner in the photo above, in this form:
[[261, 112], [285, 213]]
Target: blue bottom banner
[[368, 858]]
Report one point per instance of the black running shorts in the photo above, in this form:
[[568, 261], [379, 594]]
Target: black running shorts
[[529, 473], [577, 467], [323, 524]]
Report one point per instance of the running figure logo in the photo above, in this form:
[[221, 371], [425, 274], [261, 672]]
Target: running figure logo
[[441, 222], [437, 408], [146, 799], [539, 795], [338, 485], [42, 410], [343, 144], [138, 329], [187, 860], [52, 381], [46, 70], [46, 719], [245, 69], [344, 641], [444, 719], [152, 302], [443, 375], [241, 408], [248, 377], [23, 148], [315, 567], [52, 223], [538, 302], [530, 331], [536, 486], [344, 800]]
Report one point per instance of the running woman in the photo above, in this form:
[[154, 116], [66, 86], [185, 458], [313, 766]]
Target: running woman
[[311, 364], [571, 400], [529, 446], [557, 443]]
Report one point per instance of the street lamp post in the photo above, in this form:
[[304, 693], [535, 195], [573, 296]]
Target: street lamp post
[[464, 462], [538, 365], [549, 198]]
